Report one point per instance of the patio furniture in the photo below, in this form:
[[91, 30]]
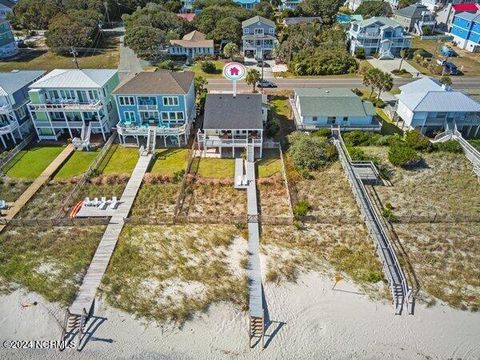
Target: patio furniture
[[87, 201], [3, 205], [114, 203], [95, 202]]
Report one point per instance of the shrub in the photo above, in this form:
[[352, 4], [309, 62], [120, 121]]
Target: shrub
[[422, 53], [167, 64], [307, 152], [417, 141], [178, 176], [357, 153], [208, 67], [323, 133], [272, 127], [402, 155], [451, 146], [360, 138], [301, 208], [360, 53]]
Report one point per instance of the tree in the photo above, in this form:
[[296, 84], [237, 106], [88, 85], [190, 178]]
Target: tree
[[385, 83], [265, 9], [34, 14], [370, 79], [211, 16], [230, 50], [307, 152], [146, 41], [402, 155], [326, 9], [403, 56], [208, 67], [373, 8], [200, 92], [227, 29], [446, 80], [253, 76]]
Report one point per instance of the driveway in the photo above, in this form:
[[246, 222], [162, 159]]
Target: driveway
[[389, 65]]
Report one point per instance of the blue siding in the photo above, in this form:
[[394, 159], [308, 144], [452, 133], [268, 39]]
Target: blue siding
[[461, 23], [459, 32]]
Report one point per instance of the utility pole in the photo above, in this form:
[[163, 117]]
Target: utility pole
[[74, 52], [105, 3]]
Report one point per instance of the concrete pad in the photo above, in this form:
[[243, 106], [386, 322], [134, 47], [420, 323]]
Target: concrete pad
[[389, 65]]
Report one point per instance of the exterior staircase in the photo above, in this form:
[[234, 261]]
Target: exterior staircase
[[151, 139], [257, 330], [83, 143]]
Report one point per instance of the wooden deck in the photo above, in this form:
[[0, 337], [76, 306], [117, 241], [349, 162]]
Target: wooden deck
[[38, 183], [98, 266]]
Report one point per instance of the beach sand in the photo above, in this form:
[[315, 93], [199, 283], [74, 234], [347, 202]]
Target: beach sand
[[309, 321]]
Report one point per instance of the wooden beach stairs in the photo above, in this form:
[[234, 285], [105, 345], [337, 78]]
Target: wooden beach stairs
[[37, 184], [401, 293], [82, 307], [245, 179]]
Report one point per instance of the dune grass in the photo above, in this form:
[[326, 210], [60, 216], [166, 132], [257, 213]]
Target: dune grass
[[169, 161], [76, 165], [30, 163]]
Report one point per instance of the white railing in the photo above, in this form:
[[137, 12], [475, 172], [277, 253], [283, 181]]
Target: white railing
[[62, 124], [147, 107], [6, 109], [143, 131], [230, 142], [67, 105], [8, 128]]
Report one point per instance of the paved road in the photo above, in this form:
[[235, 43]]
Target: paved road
[[350, 82]]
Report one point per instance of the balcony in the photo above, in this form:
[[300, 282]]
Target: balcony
[[147, 107], [5, 109], [62, 124], [8, 127], [127, 129], [228, 141], [67, 105]]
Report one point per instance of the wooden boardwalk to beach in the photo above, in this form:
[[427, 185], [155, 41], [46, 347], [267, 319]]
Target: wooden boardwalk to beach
[[98, 266], [37, 184]]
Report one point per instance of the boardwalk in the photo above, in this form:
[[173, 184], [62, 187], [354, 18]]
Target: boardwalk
[[37, 184], [98, 266]]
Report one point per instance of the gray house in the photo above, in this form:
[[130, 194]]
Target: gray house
[[415, 18], [258, 37], [15, 121]]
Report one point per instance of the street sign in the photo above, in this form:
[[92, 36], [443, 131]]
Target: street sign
[[234, 71]]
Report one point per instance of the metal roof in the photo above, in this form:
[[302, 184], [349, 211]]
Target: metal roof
[[422, 85], [332, 102], [379, 19], [242, 112], [11, 82], [75, 78], [439, 101], [257, 19]]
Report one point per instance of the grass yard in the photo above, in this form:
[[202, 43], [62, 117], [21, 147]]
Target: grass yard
[[270, 164], [76, 165], [119, 160], [169, 161], [214, 168], [281, 112], [169, 273], [30, 163], [48, 60], [197, 69], [49, 261]]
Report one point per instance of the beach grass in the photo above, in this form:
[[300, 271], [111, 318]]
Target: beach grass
[[30, 163], [76, 165]]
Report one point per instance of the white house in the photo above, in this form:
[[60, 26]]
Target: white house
[[191, 45], [429, 107]]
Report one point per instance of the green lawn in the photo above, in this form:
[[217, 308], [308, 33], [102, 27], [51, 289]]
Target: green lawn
[[119, 160], [47, 60], [76, 165], [30, 163], [215, 168], [169, 161], [270, 164], [197, 69]]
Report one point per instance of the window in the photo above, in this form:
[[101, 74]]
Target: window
[[130, 116], [246, 31], [314, 118], [126, 100], [93, 94], [345, 118], [172, 116], [67, 94], [170, 100], [179, 115], [271, 31], [165, 116], [258, 31], [331, 120]]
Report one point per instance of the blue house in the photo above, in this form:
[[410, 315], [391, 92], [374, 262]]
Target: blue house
[[258, 37], [247, 4], [466, 31], [163, 100], [15, 121]]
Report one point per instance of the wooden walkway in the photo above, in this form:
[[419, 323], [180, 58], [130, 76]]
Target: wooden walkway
[[37, 184], [98, 266]]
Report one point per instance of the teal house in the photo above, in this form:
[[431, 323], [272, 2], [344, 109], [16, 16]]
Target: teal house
[[162, 101]]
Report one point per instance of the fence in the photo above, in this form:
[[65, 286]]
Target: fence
[[58, 221], [16, 150], [181, 194], [285, 179], [76, 190], [437, 37]]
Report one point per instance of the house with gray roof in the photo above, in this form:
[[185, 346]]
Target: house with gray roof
[[231, 123], [6, 7], [164, 99], [73, 102], [378, 35], [258, 38], [415, 18], [429, 107], [15, 121], [332, 107]]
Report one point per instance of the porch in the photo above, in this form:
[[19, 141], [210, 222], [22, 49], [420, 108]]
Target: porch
[[229, 143]]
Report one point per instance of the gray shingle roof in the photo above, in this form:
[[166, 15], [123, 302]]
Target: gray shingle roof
[[157, 82], [414, 10], [333, 102], [11, 82], [256, 19], [469, 16], [223, 111]]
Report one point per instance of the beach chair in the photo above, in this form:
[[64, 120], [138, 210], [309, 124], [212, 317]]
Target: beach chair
[[87, 201], [3, 205], [103, 203], [114, 203], [95, 202]]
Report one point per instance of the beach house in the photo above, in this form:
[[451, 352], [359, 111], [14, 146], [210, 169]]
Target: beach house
[[191, 45], [71, 101], [416, 18], [247, 4], [8, 47], [6, 7], [161, 99], [290, 4], [258, 37], [15, 120], [378, 35], [466, 31], [332, 107], [446, 15], [429, 107], [231, 123]]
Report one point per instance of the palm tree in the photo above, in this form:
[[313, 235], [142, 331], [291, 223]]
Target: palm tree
[[253, 76], [230, 50], [385, 83]]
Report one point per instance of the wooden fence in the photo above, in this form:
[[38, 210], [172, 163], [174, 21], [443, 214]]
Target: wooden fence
[[181, 194]]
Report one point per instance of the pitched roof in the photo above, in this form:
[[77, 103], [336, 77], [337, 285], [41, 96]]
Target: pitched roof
[[75, 78], [245, 2], [257, 19], [7, 3], [414, 10], [468, 16], [187, 16], [224, 111], [193, 39], [194, 36], [470, 7], [332, 102], [11, 82], [301, 20], [380, 19], [156, 82], [429, 96]]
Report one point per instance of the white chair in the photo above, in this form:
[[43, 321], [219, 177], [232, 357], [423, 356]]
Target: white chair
[[96, 202], [87, 201], [114, 203], [3, 205]]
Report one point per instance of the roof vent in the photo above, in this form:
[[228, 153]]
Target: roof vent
[[327, 91], [15, 71]]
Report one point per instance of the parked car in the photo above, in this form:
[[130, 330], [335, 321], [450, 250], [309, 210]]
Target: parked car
[[447, 51], [266, 84], [449, 68]]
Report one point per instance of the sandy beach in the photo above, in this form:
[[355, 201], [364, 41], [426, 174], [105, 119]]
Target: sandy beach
[[309, 320]]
